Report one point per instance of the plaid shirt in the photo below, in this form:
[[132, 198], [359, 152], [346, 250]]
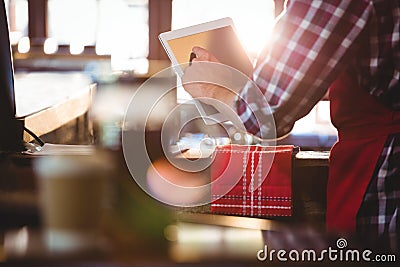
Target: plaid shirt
[[378, 219], [313, 42]]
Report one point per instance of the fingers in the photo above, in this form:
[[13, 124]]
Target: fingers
[[203, 54]]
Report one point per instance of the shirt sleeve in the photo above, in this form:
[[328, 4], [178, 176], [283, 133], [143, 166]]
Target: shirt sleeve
[[311, 45]]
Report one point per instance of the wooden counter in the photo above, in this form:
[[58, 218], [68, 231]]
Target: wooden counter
[[47, 101], [18, 204]]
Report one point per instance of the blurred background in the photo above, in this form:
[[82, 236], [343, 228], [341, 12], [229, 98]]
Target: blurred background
[[114, 44], [120, 28]]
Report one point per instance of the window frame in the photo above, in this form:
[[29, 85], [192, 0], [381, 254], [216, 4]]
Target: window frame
[[160, 17]]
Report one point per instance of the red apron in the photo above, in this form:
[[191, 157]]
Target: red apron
[[363, 125]]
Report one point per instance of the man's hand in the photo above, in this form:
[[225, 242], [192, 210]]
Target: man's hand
[[207, 78]]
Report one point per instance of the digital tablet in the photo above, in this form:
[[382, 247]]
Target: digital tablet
[[220, 38]]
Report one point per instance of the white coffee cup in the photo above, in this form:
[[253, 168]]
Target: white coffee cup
[[73, 194]]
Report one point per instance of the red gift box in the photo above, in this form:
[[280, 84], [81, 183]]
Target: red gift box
[[252, 180]]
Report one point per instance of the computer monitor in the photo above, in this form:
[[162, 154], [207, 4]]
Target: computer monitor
[[11, 130]]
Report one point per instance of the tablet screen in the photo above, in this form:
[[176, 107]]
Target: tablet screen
[[218, 37], [222, 43]]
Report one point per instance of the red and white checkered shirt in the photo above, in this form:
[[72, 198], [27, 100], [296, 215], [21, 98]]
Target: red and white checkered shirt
[[312, 43]]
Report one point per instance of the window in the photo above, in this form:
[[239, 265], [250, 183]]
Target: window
[[115, 27], [72, 21], [253, 18], [17, 14], [125, 29]]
